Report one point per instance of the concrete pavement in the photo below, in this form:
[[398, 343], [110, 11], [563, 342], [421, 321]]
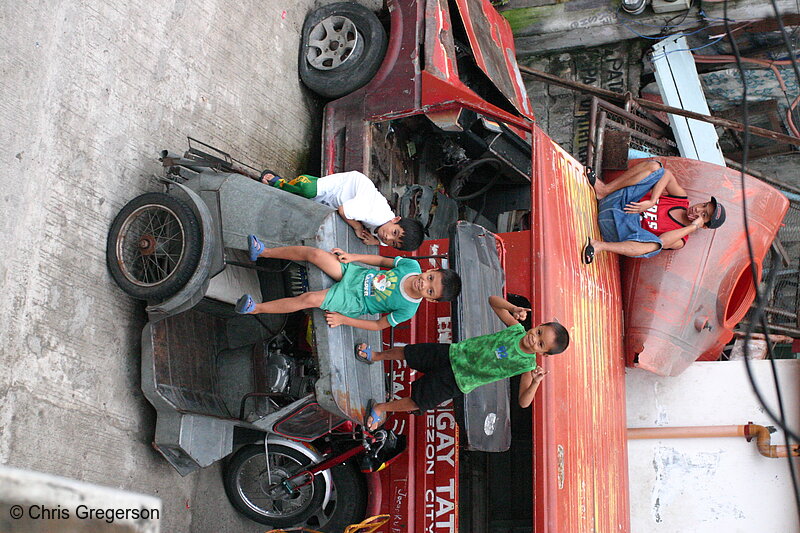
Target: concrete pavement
[[90, 92]]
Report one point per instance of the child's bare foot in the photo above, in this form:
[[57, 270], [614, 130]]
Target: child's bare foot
[[600, 190]]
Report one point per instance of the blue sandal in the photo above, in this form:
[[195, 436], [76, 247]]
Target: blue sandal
[[255, 246], [245, 305], [376, 419], [367, 350]]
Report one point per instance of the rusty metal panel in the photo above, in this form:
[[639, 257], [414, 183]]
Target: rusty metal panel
[[493, 47], [345, 385], [440, 53], [580, 447], [184, 362], [615, 150]]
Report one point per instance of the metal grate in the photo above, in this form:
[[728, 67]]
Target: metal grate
[[780, 285], [624, 128]]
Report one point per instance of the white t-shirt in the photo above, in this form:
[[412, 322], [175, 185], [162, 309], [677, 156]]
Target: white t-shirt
[[357, 195]]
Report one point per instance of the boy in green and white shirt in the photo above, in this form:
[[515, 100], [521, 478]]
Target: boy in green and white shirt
[[455, 369], [358, 290]]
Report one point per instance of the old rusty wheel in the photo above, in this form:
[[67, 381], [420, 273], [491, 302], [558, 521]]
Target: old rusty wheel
[[153, 246]]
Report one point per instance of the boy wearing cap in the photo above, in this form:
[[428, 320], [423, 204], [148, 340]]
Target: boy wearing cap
[[645, 211]]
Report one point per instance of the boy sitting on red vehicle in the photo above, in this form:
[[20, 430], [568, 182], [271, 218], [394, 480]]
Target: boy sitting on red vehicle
[[645, 211], [452, 370], [360, 205], [358, 290]]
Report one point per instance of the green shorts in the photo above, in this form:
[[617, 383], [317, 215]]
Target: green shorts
[[347, 295]]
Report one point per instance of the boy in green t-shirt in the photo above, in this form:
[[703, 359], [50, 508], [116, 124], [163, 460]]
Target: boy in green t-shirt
[[455, 369], [358, 290]]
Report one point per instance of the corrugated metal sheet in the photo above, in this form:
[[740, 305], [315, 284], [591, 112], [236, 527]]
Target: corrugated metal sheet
[[580, 448]]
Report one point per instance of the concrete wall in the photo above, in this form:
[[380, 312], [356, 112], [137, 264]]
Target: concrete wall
[[589, 23], [710, 485], [564, 113]]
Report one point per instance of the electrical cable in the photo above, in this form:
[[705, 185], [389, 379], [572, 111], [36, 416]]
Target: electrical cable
[[759, 310], [702, 13], [665, 54], [751, 254], [685, 14], [660, 37], [771, 64], [664, 26], [468, 170]]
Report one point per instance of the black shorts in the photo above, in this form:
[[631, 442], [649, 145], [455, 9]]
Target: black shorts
[[439, 383]]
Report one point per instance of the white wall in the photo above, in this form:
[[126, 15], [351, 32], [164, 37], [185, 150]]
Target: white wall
[[710, 485]]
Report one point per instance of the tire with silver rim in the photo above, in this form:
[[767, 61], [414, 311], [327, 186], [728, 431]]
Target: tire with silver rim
[[342, 47], [153, 246], [248, 478]]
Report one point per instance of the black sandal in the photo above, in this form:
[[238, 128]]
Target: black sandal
[[588, 252], [591, 176]]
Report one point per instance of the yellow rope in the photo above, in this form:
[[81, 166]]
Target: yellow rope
[[293, 530], [370, 525]]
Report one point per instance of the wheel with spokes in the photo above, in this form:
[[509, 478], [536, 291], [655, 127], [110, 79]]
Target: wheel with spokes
[[153, 246], [254, 486]]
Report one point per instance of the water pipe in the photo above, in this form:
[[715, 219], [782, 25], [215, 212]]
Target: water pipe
[[748, 431]]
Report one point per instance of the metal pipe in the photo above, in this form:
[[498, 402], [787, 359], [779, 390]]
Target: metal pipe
[[663, 144], [649, 124], [775, 339], [688, 432], [604, 93], [762, 435], [598, 155], [748, 431], [776, 311], [591, 139], [773, 328], [763, 177]]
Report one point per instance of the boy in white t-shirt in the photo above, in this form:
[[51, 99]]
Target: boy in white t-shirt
[[359, 203]]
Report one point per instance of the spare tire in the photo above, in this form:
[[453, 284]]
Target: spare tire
[[153, 246], [342, 47]]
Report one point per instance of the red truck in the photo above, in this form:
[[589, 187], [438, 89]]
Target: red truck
[[437, 106], [446, 105]]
